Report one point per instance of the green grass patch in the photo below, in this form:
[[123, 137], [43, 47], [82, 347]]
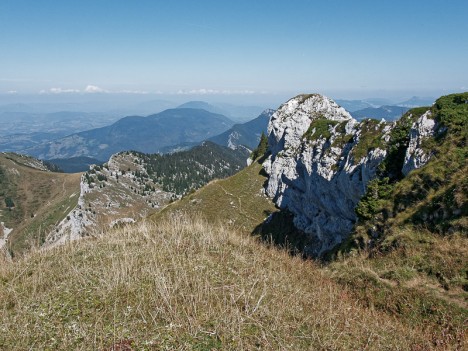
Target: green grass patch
[[319, 128], [369, 139], [34, 234], [238, 200]]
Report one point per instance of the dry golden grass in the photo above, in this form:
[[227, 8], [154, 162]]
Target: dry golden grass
[[182, 284]]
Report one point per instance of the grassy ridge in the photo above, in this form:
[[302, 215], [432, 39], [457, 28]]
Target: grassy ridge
[[237, 201], [183, 284], [41, 199]]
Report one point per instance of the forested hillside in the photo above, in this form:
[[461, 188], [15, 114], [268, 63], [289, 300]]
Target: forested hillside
[[183, 171]]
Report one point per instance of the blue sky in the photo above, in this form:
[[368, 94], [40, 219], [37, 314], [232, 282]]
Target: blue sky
[[344, 48]]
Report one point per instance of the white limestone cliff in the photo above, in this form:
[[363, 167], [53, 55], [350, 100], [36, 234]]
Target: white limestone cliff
[[416, 156], [72, 226], [320, 179]]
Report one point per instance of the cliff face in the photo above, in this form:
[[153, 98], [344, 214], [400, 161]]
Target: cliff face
[[321, 160], [416, 156]]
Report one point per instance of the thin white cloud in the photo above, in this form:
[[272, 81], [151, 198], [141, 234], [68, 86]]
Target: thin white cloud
[[63, 91], [59, 91], [94, 89], [12, 92]]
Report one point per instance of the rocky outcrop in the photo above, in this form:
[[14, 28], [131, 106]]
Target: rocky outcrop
[[416, 156], [111, 195], [72, 227], [4, 232], [320, 162]]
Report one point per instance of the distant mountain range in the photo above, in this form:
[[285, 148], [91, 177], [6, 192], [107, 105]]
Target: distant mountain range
[[246, 134], [145, 134], [242, 134], [353, 105], [389, 113], [239, 137], [417, 101], [234, 112], [26, 125], [357, 105]]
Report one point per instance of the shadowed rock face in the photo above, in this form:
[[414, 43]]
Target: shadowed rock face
[[320, 162]]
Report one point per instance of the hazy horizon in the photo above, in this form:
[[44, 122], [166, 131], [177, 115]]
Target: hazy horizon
[[104, 101]]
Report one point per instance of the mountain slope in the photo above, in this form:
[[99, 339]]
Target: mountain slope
[[410, 252], [389, 113], [32, 201], [237, 201], [76, 293], [392, 196], [146, 134], [235, 112], [417, 101], [247, 134], [202, 105], [410, 240], [183, 284], [353, 105], [115, 193]]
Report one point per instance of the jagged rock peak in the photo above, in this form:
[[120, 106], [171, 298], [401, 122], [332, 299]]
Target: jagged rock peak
[[315, 106], [292, 119]]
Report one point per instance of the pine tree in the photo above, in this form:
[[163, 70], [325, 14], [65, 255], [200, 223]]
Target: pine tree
[[261, 148]]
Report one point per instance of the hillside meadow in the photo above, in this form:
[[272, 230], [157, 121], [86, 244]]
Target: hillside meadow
[[185, 284]]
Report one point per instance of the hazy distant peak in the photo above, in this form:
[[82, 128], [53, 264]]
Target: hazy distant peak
[[417, 101], [204, 106]]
